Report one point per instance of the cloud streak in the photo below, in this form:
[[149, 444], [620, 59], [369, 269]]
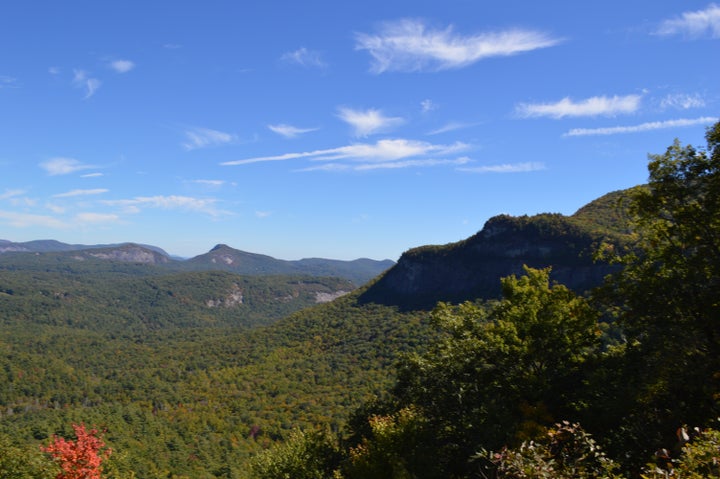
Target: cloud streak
[[205, 137], [289, 131], [25, 220], [694, 24], [367, 122], [381, 151], [304, 57], [506, 168], [172, 202], [63, 166], [73, 193], [594, 106], [655, 125], [409, 46]]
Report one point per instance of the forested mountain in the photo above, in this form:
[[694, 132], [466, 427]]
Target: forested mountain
[[223, 257], [192, 373], [220, 258], [128, 339], [470, 269]]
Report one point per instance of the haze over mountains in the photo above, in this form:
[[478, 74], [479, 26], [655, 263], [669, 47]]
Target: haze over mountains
[[228, 352], [221, 258]]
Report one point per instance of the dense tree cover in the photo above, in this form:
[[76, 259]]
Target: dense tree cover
[[136, 301], [186, 390], [667, 301], [189, 401], [499, 375]]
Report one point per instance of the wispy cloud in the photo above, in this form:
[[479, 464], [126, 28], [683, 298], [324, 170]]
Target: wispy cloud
[[263, 214], [211, 183], [390, 165], [694, 24], [8, 82], [506, 168], [93, 218], [24, 220], [82, 80], [205, 137], [409, 45], [427, 105], [452, 126], [594, 106], [172, 202], [289, 131], [304, 57], [72, 193], [63, 166], [11, 193], [121, 66], [404, 153], [369, 121], [91, 175], [682, 101], [655, 125]]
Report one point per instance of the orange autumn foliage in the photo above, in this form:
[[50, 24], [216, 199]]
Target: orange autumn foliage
[[82, 458]]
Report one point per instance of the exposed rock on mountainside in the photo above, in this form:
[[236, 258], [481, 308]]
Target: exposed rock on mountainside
[[221, 257], [130, 253], [471, 269]]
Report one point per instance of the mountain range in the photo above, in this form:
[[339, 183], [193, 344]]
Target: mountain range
[[220, 258]]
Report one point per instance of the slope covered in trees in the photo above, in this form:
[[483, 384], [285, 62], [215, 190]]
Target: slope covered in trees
[[518, 376], [355, 388], [471, 268]]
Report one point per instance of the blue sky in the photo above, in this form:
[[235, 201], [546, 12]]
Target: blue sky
[[336, 129]]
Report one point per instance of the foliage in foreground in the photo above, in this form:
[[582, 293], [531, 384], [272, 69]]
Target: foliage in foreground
[[499, 376]]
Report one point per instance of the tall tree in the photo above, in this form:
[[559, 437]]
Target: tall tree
[[669, 295], [498, 374]]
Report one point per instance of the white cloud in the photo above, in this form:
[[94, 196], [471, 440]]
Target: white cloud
[[172, 202], [367, 122], [594, 106], [63, 166], [72, 193], [210, 183], [409, 45], [122, 66], [655, 125], [23, 220], [381, 151], [412, 163], [452, 126], [289, 131], [427, 105], [263, 214], [57, 209], [682, 101], [205, 137], [91, 175], [85, 218], [506, 168], [304, 57], [11, 194], [694, 24], [82, 80]]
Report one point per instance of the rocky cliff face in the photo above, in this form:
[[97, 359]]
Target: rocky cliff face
[[471, 269], [128, 253]]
